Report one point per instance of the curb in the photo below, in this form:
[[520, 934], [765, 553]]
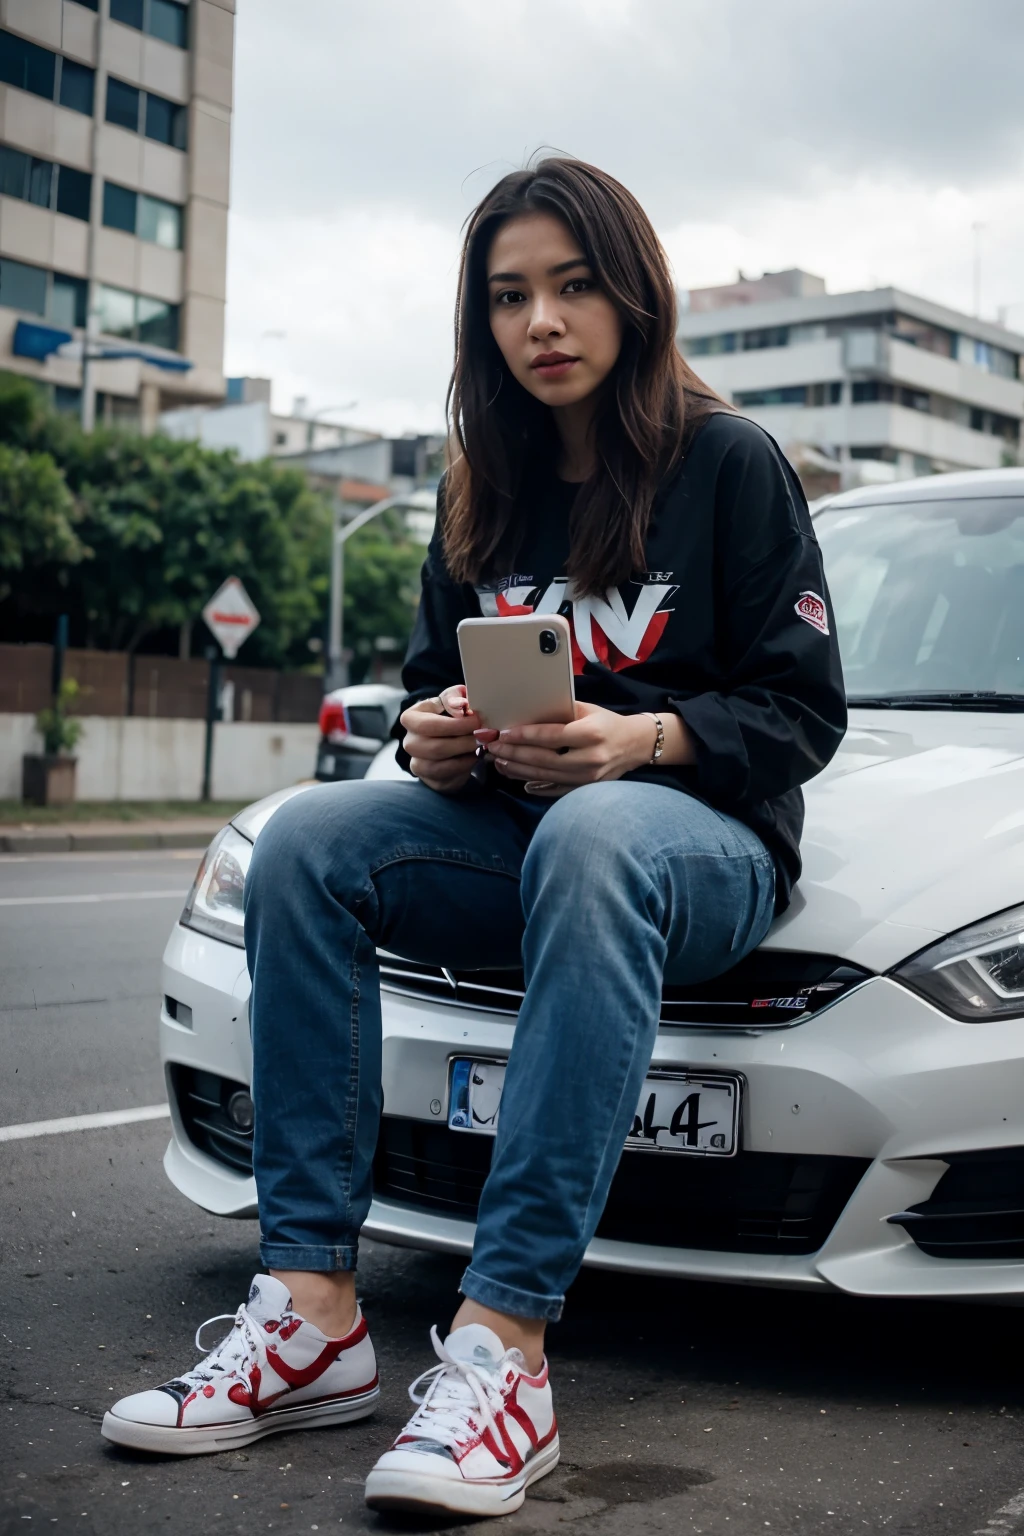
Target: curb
[[103, 842]]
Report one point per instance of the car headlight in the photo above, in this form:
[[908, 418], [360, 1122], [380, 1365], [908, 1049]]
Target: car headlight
[[975, 974], [214, 904]]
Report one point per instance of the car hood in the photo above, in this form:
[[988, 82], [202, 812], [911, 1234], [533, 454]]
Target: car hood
[[915, 829], [254, 818]]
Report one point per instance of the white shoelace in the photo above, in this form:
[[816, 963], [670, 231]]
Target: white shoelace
[[238, 1346], [455, 1389]]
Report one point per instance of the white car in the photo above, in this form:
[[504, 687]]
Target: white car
[[354, 723], [864, 1067]]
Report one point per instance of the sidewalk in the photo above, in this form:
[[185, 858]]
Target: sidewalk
[[109, 836]]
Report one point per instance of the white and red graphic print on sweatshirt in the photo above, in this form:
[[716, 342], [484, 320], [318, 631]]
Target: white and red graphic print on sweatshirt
[[615, 631], [483, 1431], [272, 1371]]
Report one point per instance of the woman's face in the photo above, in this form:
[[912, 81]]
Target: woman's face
[[557, 330]]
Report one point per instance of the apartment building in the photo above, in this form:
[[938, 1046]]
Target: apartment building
[[115, 131], [878, 384]]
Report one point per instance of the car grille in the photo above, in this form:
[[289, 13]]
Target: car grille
[[202, 1099], [770, 989], [756, 1202], [976, 1210]]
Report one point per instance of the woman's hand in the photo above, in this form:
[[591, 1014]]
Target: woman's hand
[[599, 744], [439, 740]]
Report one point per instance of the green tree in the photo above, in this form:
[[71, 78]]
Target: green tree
[[37, 518], [131, 536], [382, 585]]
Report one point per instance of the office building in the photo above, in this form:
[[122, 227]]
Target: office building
[[115, 130], [857, 386]]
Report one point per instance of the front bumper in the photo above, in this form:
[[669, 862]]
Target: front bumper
[[881, 1077]]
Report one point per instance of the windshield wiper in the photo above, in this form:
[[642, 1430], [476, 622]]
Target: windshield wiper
[[1006, 703]]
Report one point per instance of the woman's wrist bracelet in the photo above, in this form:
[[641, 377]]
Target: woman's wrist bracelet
[[659, 739]]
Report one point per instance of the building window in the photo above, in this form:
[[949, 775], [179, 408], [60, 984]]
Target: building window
[[165, 121], [123, 104], [144, 112], [53, 295], [871, 392], [67, 400], [28, 66], [159, 222], [151, 218], [119, 207], [886, 454], [22, 287], [74, 192], [825, 394], [68, 299], [92, 5], [791, 394], [983, 355], [48, 186], [76, 86], [165, 19], [46, 74], [769, 336], [712, 346], [930, 338], [137, 318]]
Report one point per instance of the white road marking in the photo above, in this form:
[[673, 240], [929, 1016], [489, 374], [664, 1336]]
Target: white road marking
[[56, 901], [104, 856], [1005, 1519], [83, 1122]]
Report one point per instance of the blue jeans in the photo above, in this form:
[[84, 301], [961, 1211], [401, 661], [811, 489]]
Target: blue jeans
[[601, 895]]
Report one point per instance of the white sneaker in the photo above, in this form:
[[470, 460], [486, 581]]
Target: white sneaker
[[483, 1432], [273, 1371]]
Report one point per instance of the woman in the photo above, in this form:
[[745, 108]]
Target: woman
[[653, 837]]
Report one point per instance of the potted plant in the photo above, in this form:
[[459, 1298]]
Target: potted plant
[[48, 777]]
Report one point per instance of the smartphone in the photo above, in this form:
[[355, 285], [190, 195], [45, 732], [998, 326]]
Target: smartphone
[[518, 670]]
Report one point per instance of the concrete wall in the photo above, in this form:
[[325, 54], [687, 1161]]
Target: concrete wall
[[146, 759]]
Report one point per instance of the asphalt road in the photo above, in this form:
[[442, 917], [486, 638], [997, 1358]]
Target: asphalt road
[[682, 1408]]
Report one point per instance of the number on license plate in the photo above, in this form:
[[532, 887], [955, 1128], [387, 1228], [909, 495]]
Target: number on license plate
[[694, 1112]]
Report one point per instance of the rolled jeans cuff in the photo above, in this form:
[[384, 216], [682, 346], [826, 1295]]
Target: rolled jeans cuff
[[509, 1298], [307, 1256]]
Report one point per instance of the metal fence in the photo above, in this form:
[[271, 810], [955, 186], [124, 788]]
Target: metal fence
[[116, 683]]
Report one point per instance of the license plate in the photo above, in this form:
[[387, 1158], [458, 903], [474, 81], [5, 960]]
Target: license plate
[[694, 1112]]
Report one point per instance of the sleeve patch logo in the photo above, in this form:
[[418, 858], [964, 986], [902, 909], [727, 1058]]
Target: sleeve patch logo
[[812, 610]]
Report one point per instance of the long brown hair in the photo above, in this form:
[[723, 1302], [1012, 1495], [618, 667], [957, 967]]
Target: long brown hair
[[502, 435]]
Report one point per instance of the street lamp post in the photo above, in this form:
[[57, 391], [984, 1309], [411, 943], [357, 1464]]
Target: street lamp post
[[314, 416], [337, 668]]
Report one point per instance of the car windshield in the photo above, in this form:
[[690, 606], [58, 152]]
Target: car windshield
[[928, 598]]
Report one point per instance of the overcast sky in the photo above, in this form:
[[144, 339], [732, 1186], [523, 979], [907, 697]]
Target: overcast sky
[[859, 139]]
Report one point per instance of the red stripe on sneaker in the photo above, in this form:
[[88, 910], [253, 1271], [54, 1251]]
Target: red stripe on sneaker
[[515, 1409], [326, 1357]]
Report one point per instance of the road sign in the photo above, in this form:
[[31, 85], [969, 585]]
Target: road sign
[[231, 615]]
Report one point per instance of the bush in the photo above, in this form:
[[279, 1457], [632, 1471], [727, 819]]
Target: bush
[[59, 730]]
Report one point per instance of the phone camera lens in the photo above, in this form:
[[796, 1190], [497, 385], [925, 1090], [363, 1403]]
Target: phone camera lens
[[548, 642]]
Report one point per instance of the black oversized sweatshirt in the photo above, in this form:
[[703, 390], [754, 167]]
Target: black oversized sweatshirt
[[730, 625]]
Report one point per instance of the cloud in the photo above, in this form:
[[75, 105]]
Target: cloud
[[365, 299], [860, 139], [691, 101]]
